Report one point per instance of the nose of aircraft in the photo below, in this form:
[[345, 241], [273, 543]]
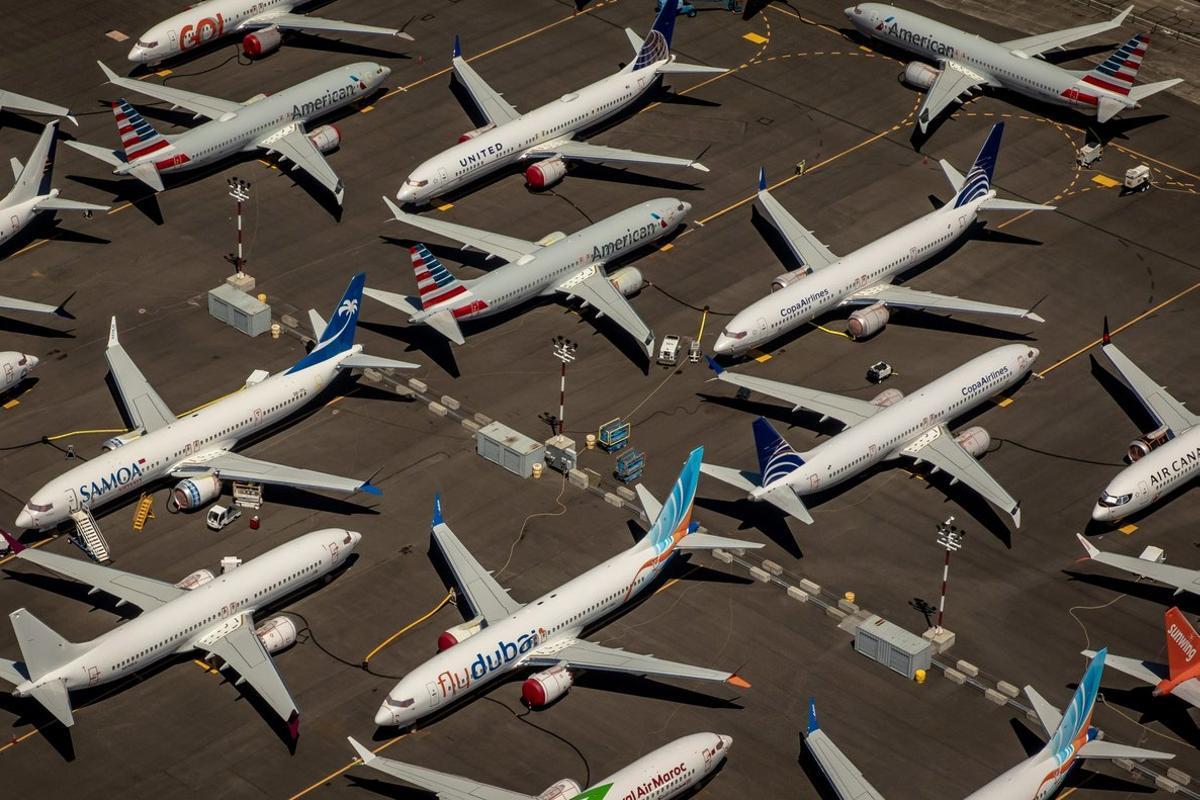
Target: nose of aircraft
[[723, 345], [24, 519], [726, 742], [384, 717], [31, 361], [1100, 513], [407, 194], [137, 53], [1035, 352], [355, 538]]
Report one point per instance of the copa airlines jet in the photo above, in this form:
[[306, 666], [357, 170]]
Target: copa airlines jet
[[549, 134], [1180, 676], [888, 427], [1071, 738], [967, 61], [262, 22], [1161, 461], [199, 447], [557, 265], [670, 771], [826, 282], [214, 615], [505, 635], [19, 102], [276, 123]]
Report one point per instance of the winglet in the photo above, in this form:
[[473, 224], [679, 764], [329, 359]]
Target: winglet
[[813, 727], [293, 725], [1091, 549], [370, 488], [762, 179], [61, 311], [112, 333], [437, 509], [1120, 18], [13, 545], [714, 366], [738, 681], [365, 755], [457, 47], [108, 73], [1107, 336]]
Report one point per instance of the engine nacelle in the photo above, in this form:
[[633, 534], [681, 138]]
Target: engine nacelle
[[545, 174], [120, 441], [888, 397], [1142, 445], [191, 493], [551, 238], [974, 440], [561, 789], [543, 688], [458, 633], [787, 279], [920, 75], [277, 633], [867, 321], [326, 138], [471, 134], [261, 43], [627, 280], [196, 579]]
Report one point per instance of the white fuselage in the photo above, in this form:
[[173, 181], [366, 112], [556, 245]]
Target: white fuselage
[[1153, 476], [827, 288], [15, 216], [14, 368], [200, 24], [908, 420], [669, 771], [205, 613], [1036, 778]]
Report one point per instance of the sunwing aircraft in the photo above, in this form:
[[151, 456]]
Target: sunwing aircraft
[[557, 265], [546, 634], [19, 102], [276, 123], [864, 277], [1183, 579], [198, 448], [214, 615], [967, 61], [1071, 738], [263, 23], [670, 771], [890, 426], [1180, 676], [548, 134]]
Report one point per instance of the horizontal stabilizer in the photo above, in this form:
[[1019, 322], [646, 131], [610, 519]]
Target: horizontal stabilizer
[[650, 503], [317, 322], [1108, 108], [364, 361], [634, 39], [105, 154], [788, 502], [705, 541], [398, 301], [53, 697], [145, 172], [1049, 716], [62, 204], [679, 68], [739, 479], [443, 322], [954, 176], [1139, 93], [999, 204], [1108, 751], [1146, 671], [13, 671]]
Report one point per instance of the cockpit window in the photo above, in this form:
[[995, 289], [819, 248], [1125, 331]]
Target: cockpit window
[[148, 45], [417, 184], [728, 334], [40, 509], [1110, 500], [679, 207], [398, 703], [347, 539]]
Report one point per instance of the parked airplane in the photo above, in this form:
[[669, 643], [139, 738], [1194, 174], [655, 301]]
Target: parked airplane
[[1180, 676], [555, 265], [1183, 579], [967, 61], [16, 304], [1161, 461], [864, 277], [14, 368], [276, 123], [19, 102], [263, 24], [888, 427], [214, 615], [548, 134], [32, 193], [199, 447], [1071, 738], [670, 771], [545, 634]]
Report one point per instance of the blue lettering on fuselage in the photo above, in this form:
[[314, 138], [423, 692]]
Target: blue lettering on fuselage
[[986, 379], [480, 155], [919, 40], [117, 479], [504, 654], [327, 100], [804, 304]]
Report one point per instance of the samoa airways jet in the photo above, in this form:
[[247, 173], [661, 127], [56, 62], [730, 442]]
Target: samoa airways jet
[[548, 134], [670, 771], [556, 265], [199, 447], [506, 635], [1071, 738], [262, 21], [1180, 676], [214, 615], [1161, 461], [888, 427], [19, 102], [275, 123], [967, 61], [864, 277]]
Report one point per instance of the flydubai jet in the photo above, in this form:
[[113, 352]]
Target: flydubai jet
[[198, 448], [19, 102], [966, 62], [261, 23], [890, 426], [214, 615], [550, 134], [1180, 676], [546, 634], [277, 123], [1072, 738], [557, 265], [864, 278]]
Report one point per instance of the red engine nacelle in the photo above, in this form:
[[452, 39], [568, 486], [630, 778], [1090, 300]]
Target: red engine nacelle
[[196, 579], [277, 633], [1142, 445], [458, 633], [191, 493], [561, 789], [920, 74], [974, 440], [261, 43], [867, 321], [627, 280], [471, 134], [543, 688], [326, 138], [787, 279], [545, 174], [888, 397]]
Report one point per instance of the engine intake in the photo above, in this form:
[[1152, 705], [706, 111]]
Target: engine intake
[[627, 280], [868, 321], [263, 42], [545, 174], [543, 688], [975, 440], [920, 75], [561, 789], [787, 279], [458, 633], [196, 579], [471, 134], [1142, 445], [191, 493], [888, 397], [326, 138], [277, 633]]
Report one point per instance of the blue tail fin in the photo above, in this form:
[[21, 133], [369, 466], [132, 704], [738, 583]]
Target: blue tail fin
[[979, 179], [1078, 716], [674, 520], [776, 458], [338, 336], [657, 45], [813, 725]]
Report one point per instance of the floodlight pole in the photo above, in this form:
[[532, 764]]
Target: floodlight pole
[[564, 351], [950, 536], [239, 190]]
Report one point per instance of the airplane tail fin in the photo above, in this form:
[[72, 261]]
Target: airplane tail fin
[[1077, 718], [338, 335], [43, 651], [435, 283], [776, 458], [35, 177], [1117, 72], [1182, 642], [138, 137], [675, 519], [978, 180], [657, 44]]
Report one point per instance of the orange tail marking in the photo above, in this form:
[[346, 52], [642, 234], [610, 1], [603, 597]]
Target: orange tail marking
[[1183, 643]]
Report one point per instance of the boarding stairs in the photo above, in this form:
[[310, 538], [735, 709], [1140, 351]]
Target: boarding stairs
[[87, 535], [144, 512]]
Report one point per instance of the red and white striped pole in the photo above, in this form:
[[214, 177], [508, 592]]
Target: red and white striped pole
[[950, 537], [239, 190], [564, 351]]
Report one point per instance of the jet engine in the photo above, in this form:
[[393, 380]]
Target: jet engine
[[867, 321], [627, 280], [191, 493], [263, 42], [120, 441], [920, 75], [975, 440], [543, 688], [471, 134], [787, 279], [326, 138], [545, 174], [1142, 445], [277, 633], [460, 632], [561, 789], [888, 397], [196, 580]]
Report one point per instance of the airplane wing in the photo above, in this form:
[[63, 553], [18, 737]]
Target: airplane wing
[[847, 410], [292, 144], [486, 597], [580, 654], [1040, 43], [599, 154], [800, 240], [937, 446], [243, 652], [442, 784], [847, 782], [491, 104], [904, 297], [303, 22], [593, 287], [953, 81], [145, 408], [203, 105], [22, 103], [14, 304], [494, 244], [237, 467], [1165, 408], [1183, 579]]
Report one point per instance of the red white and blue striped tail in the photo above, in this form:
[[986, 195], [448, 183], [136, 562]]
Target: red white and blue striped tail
[[435, 284], [138, 137], [1118, 72]]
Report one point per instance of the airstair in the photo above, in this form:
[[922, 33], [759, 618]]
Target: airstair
[[87, 535], [144, 512]]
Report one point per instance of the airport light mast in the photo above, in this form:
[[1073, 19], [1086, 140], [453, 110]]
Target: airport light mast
[[564, 351], [239, 190], [950, 536]]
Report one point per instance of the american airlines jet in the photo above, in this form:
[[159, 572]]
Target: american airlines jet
[[550, 134], [198, 449], [890, 426], [966, 62], [864, 278]]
